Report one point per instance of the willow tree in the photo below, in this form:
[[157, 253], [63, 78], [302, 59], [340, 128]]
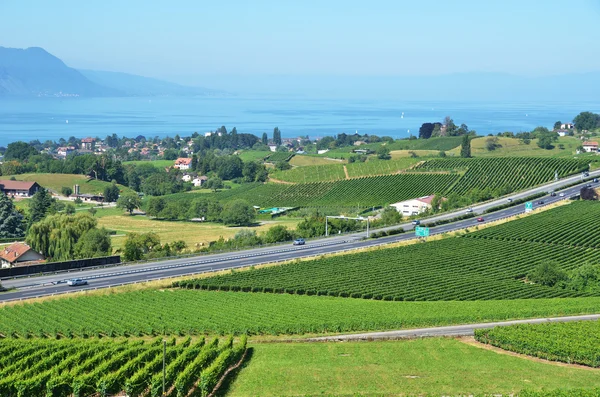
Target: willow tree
[[57, 235]]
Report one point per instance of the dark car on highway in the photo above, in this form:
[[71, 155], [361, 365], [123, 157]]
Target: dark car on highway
[[541, 202], [553, 194]]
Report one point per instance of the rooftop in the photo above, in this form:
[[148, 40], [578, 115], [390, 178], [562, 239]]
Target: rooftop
[[16, 185]]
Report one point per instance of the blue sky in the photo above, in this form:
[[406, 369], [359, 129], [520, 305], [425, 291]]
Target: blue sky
[[188, 40]]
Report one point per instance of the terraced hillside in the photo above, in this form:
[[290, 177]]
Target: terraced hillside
[[452, 269], [508, 174], [573, 225]]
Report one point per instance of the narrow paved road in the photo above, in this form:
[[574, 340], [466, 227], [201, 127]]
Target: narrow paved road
[[52, 284], [454, 330]]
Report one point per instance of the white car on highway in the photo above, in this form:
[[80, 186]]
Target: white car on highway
[[75, 282]]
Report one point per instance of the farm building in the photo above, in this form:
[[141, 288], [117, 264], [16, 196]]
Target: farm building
[[414, 206], [590, 147], [19, 254], [183, 163], [19, 188]]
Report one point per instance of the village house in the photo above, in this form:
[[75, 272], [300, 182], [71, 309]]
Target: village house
[[590, 147], [19, 254], [562, 132], [567, 126], [18, 188], [199, 180], [64, 151], [414, 206], [88, 143], [183, 163]]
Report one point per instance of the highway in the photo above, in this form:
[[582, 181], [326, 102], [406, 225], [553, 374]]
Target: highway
[[453, 330], [51, 284]]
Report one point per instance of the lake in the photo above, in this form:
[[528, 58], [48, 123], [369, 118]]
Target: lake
[[53, 118]]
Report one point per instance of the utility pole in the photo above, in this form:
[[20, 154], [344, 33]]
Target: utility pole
[[164, 367]]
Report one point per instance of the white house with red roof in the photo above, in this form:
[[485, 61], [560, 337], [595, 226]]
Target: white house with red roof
[[414, 206], [183, 163], [590, 147], [19, 254]]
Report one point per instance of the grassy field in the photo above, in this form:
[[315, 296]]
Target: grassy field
[[414, 367], [254, 155], [193, 233], [156, 163], [515, 147], [302, 161], [55, 182], [398, 154], [176, 311]]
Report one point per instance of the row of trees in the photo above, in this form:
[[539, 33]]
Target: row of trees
[[234, 213], [447, 128]]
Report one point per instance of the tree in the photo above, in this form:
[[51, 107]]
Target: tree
[[19, 150], [383, 153], [390, 216], [214, 184], [155, 206], [465, 148], [546, 140], [129, 201], [93, 244], [426, 130], [442, 153], [265, 139], [283, 165], [111, 193], [277, 234], [492, 143], [238, 213], [584, 121], [451, 129], [11, 221], [139, 245], [277, 136], [39, 205], [57, 235], [70, 209], [547, 273], [66, 191], [557, 125], [588, 193]]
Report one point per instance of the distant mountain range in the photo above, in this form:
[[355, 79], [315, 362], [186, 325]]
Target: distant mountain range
[[33, 72]]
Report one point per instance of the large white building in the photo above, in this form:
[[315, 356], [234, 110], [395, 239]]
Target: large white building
[[590, 147], [414, 206]]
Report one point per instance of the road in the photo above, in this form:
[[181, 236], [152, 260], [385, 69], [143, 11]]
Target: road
[[52, 284], [454, 330]]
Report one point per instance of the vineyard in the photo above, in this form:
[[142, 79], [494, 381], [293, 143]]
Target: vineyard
[[311, 173], [84, 367], [366, 192], [573, 343], [335, 172], [279, 156], [451, 269], [573, 225], [509, 174], [182, 312]]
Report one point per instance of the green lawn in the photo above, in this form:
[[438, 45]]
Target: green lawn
[[156, 163], [254, 155], [414, 367]]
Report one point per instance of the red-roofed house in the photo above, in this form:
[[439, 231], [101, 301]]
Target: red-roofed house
[[19, 188], [590, 146], [19, 254], [414, 206], [183, 163]]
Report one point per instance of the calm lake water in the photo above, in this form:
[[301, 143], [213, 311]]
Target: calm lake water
[[53, 118]]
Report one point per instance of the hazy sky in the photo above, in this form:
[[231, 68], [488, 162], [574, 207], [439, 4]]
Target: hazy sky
[[181, 40]]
